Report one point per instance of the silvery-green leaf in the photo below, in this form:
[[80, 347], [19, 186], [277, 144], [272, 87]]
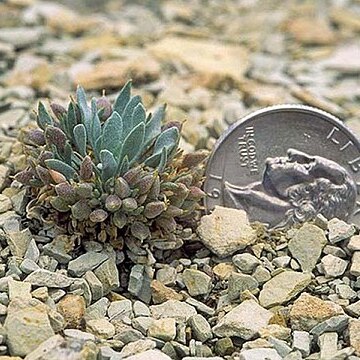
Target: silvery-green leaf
[[61, 167], [123, 98], [124, 167], [68, 153], [133, 143], [84, 108], [80, 138], [154, 160], [168, 139], [163, 160], [112, 134], [43, 119], [109, 165], [70, 119], [153, 126], [95, 128], [97, 148], [138, 115], [127, 114]]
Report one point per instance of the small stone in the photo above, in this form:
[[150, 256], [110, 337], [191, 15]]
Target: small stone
[[354, 243], [120, 309], [86, 262], [97, 310], [137, 347], [19, 289], [27, 326], [239, 283], [345, 291], [78, 334], [201, 329], [339, 230], [19, 241], [162, 293], [302, 342], [32, 251], [101, 328], [354, 309], [261, 275], [225, 231], [246, 262], [96, 287], [125, 333], [354, 335], [178, 310], [140, 282], [309, 311], [164, 329], [5, 203], [196, 282], [283, 287], [334, 324], [108, 275], [48, 278], [200, 306], [281, 261], [333, 266], [276, 331], [140, 309], [223, 270], [328, 344], [244, 321], [142, 323], [224, 346], [307, 237], [41, 293], [281, 347], [355, 264], [166, 275], [259, 354], [72, 308], [149, 355]]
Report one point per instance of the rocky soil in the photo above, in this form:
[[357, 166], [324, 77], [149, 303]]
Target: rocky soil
[[235, 291]]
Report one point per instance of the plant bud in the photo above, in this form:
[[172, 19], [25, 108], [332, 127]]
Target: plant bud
[[84, 190], [186, 180], [171, 124], [80, 210], [45, 155], [54, 136], [154, 209], [57, 177], [58, 110], [24, 176], [173, 211], [166, 224], [66, 192], [195, 193], [145, 183], [104, 105], [122, 188], [98, 215], [119, 219], [154, 192], [193, 159], [86, 168], [113, 203], [59, 204], [36, 136], [140, 230], [133, 175], [129, 204], [43, 174]]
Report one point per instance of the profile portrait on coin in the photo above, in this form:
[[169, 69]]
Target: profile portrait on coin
[[295, 188]]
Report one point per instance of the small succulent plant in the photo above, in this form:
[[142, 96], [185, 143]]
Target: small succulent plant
[[112, 172]]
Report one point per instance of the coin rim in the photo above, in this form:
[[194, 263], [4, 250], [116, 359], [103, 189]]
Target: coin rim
[[273, 109]]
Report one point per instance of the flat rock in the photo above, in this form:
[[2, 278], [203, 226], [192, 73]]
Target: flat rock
[[307, 237], [238, 283], [101, 328], [108, 275], [355, 264], [244, 321], [245, 262], [178, 310], [27, 326], [283, 287], [334, 324], [85, 262], [18, 242], [333, 266], [308, 311], [259, 354], [196, 282], [339, 230], [48, 278], [150, 355], [163, 329], [225, 231], [354, 335]]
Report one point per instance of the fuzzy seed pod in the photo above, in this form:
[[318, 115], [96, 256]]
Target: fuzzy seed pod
[[104, 105], [86, 168], [119, 219], [195, 193], [54, 136], [186, 180], [145, 183], [43, 174], [154, 192], [166, 224], [193, 159], [84, 190], [45, 155], [140, 230], [154, 209], [133, 175], [58, 110], [98, 215], [36, 136], [59, 204], [57, 177], [24, 176], [80, 210], [113, 203], [66, 192], [129, 204], [122, 188], [173, 211]]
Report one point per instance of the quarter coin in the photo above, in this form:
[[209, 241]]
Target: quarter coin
[[286, 164]]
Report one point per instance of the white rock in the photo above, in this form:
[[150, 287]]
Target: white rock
[[333, 266], [259, 354], [150, 355], [355, 264]]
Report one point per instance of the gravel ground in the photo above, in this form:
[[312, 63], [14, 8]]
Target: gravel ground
[[233, 292]]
